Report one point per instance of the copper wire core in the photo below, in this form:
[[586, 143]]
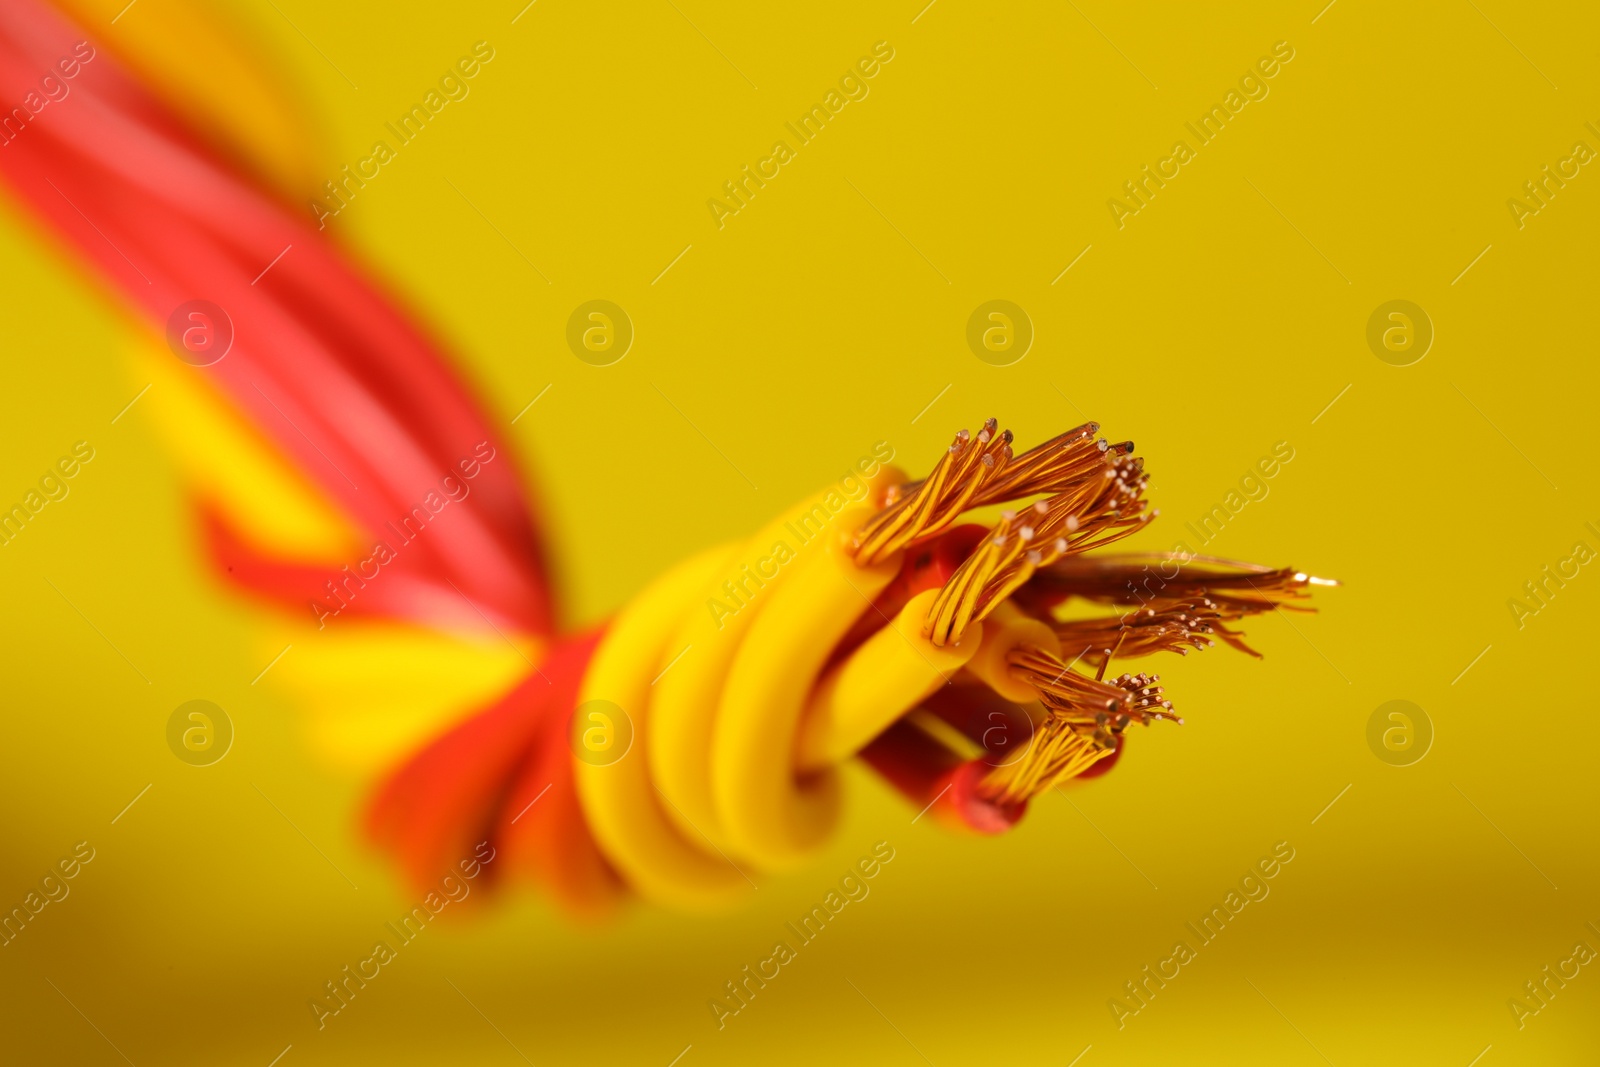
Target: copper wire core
[[1085, 702], [920, 509], [1083, 719], [1058, 752], [1142, 578], [1045, 468], [1074, 493], [1098, 500], [1160, 626]]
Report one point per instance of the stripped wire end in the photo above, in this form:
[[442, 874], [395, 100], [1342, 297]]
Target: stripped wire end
[[919, 509], [1068, 496], [1167, 612], [1144, 578], [1046, 468], [1098, 499], [1105, 707], [1173, 627], [1059, 752], [1083, 723]]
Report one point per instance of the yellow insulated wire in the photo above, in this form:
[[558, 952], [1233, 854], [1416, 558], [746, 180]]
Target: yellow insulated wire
[[374, 692], [768, 815], [893, 671], [1006, 629], [757, 729], [622, 807], [232, 465], [684, 702]]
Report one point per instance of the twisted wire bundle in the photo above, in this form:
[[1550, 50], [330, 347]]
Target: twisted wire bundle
[[898, 634]]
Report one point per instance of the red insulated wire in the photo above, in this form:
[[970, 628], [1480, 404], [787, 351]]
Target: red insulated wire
[[356, 395], [322, 361], [541, 822], [937, 781], [504, 775]]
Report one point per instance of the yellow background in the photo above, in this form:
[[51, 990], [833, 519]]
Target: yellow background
[[824, 317]]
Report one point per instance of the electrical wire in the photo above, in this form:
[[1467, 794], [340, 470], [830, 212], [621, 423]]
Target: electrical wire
[[946, 655]]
